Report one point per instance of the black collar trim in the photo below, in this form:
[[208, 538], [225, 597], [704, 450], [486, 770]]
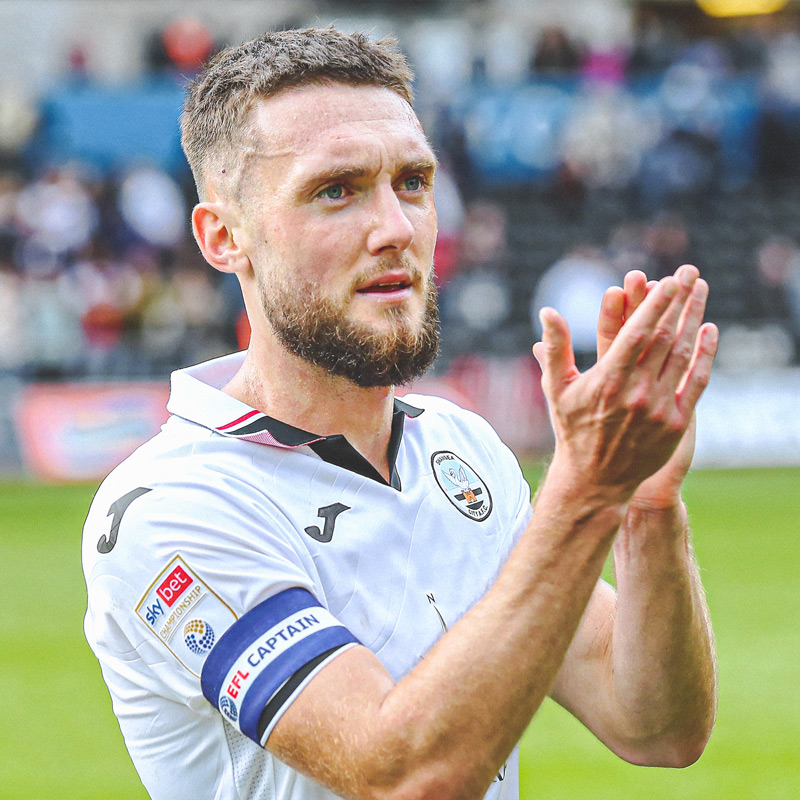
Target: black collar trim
[[335, 449], [407, 409]]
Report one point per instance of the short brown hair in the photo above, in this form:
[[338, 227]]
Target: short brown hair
[[222, 96]]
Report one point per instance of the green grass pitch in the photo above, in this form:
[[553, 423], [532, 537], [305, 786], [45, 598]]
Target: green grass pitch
[[60, 740]]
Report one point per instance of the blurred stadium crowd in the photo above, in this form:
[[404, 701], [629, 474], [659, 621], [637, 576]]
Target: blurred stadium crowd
[[557, 176]]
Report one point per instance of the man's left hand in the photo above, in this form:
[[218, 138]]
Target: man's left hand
[[663, 489]]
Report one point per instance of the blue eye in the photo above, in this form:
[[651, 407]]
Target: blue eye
[[335, 192], [414, 183]]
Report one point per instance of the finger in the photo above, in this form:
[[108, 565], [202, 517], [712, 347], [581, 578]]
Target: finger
[[665, 335], [635, 286], [687, 274], [637, 333], [700, 369], [683, 350], [610, 321], [554, 353]]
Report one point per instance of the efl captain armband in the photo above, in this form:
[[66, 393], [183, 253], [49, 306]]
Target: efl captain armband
[[265, 658]]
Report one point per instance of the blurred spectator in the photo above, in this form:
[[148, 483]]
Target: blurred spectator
[[78, 64], [19, 119], [485, 241], [777, 284], [568, 191], [52, 332], [574, 286], [689, 94], [12, 339], [184, 322], [199, 303], [604, 139], [682, 165], [710, 55], [686, 160], [57, 212], [667, 241], [658, 43], [478, 299], [627, 249], [781, 81], [606, 66], [151, 204], [478, 302], [780, 122], [450, 138], [187, 43], [102, 291], [163, 328], [81, 278], [180, 48], [10, 234], [450, 218], [556, 54]]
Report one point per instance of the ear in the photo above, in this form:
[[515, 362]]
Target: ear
[[213, 225]]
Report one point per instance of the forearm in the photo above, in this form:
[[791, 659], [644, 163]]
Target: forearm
[[488, 676], [663, 661]]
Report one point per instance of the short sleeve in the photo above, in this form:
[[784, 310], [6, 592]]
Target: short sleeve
[[204, 597]]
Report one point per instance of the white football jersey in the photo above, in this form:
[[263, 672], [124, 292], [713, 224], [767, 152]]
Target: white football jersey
[[229, 559]]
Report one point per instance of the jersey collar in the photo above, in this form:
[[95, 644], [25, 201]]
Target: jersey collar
[[197, 395]]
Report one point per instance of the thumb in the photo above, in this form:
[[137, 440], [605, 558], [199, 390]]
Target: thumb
[[554, 352]]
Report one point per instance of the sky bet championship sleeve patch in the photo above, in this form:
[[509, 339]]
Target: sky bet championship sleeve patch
[[267, 656], [185, 614]]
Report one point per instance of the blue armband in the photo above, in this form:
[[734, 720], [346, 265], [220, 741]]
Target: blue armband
[[262, 661]]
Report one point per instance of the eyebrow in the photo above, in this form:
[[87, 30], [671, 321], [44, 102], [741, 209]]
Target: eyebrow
[[337, 174]]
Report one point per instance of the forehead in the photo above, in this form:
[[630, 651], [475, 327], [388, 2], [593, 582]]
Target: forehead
[[311, 127]]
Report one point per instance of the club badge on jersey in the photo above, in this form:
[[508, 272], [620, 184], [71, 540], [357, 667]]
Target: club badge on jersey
[[462, 485], [184, 614]]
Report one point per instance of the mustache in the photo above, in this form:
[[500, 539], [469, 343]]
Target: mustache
[[389, 263]]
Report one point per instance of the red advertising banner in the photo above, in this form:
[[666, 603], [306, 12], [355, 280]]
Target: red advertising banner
[[80, 432]]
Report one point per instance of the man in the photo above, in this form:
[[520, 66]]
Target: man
[[303, 587]]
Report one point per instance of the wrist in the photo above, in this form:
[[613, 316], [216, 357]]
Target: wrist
[[576, 478], [653, 535], [661, 491], [664, 506], [645, 523], [571, 486]]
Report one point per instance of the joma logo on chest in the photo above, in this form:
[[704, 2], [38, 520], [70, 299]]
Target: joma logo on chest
[[329, 514]]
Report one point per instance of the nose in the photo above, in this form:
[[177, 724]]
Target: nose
[[390, 228]]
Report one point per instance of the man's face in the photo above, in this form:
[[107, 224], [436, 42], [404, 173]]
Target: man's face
[[337, 198]]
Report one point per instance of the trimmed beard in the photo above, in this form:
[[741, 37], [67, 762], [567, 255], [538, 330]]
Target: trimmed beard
[[317, 329]]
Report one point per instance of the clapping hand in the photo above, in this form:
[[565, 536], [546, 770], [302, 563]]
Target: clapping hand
[[626, 424], [662, 490]]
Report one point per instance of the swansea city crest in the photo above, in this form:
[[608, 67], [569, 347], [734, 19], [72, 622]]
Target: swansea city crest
[[462, 485]]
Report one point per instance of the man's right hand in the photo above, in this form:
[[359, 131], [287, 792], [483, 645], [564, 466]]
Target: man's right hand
[[620, 421]]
